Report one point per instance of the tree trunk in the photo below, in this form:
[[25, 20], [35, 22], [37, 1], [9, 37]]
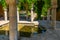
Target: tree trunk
[[13, 20]]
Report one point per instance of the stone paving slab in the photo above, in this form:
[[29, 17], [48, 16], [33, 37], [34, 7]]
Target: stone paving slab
[[48, 35]]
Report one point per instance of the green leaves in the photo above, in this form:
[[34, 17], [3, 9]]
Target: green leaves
[[46, 6], [3, 3], [28, 2]]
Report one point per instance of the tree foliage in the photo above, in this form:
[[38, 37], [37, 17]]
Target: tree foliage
[[38, 8], [47, 4], [28, 2], [3, 3]]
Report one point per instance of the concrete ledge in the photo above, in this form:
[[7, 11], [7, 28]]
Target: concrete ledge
[[21, 22]]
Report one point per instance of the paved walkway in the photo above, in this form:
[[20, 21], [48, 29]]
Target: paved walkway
[[48, 35], [46, 24]]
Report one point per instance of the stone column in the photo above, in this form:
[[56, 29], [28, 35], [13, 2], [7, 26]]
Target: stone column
[[48, 15], [32, 17], [5, 14], [48, 18], [17, 14], [13, 32], [54, 6], [53, 22]]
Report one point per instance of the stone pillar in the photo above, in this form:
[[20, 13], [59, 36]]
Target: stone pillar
[[54, 6], [53, 22], [13, 32], [48, 18], [48, 15], [17, 14], [32, 17], [5, 14]]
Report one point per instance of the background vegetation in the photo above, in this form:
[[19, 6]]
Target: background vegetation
[[40, 6]]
